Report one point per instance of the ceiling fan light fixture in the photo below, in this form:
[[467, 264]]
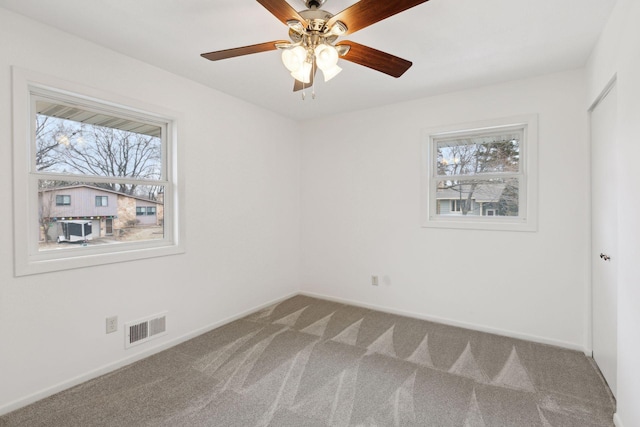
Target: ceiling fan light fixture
[[326, 56], [303, 74], [331, 72], [294, 58], [313, 33]]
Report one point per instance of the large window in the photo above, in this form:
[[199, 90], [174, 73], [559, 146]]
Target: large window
[[481, 175], [81, 144]]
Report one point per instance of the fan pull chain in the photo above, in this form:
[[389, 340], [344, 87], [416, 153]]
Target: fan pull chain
[[304, 95], [313, 81]]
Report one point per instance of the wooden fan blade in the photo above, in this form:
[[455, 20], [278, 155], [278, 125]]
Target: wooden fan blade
[[375, 59], [367, 12], [281, 10], [298, 85], [239, 51]]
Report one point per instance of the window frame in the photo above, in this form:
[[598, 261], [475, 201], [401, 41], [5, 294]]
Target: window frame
[[27, 85], [63, 197], [527, 175], [101, 198]]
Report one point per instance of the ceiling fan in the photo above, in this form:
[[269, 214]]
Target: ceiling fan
[[314, 32]]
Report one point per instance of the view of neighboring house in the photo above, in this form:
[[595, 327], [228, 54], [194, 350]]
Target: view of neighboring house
[[484, 200], [108, 211]]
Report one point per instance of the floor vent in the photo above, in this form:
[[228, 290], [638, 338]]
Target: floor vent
[[143, 330]]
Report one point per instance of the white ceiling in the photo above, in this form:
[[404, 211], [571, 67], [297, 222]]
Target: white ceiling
[[453, 44]]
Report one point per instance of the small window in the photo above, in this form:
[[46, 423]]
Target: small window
[[456, 206], [481, 176], [63, 200], [151, 210], [86, 142]]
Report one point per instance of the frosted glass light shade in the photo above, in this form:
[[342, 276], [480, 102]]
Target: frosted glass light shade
[[294, 58], [330, 73], [303, 74], [326, 56]]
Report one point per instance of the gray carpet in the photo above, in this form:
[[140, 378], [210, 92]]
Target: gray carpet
[[310, 362]]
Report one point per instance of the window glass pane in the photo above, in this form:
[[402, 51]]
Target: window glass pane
[[75, 141], [497, 153], [63, 200], [477, 197], [87, 223]]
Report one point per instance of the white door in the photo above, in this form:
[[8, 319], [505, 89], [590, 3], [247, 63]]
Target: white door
[[604, 229]]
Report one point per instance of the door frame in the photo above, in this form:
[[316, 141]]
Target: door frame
[[589, 330]]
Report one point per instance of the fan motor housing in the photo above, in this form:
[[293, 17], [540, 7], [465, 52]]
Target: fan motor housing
[[314, 4], [316, 15], [316, 22], [317, 19]]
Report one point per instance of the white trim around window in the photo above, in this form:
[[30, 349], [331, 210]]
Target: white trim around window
[[443, 178], [29, 85]]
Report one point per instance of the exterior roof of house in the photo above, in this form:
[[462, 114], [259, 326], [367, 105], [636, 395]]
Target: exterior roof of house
[[53, 109], [482, 193], [93, 187]]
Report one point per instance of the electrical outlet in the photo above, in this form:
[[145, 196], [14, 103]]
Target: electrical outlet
[[112, 324], [374, 280]]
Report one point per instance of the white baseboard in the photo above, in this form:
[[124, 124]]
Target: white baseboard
[[617, 421], [49, 391], [466, 325]]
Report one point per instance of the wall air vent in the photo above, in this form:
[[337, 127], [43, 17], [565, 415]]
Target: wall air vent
[[146, 329]]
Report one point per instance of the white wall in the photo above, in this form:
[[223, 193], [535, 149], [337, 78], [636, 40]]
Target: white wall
[[618, 53], [353, 190], [242, 208], [361, 216]]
